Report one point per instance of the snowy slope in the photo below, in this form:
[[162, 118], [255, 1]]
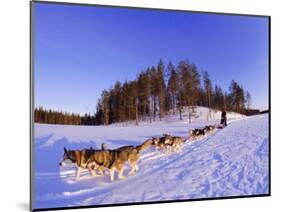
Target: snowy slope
[[230, 162], [199, 115]]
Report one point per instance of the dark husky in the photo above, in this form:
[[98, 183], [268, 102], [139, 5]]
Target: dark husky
[[93, 159], [196, 133], [161, 142], [173, 142], [177, 142], [115, 159], [80, 158], [209, 128], [167, 142]]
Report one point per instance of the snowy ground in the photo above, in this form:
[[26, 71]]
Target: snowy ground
[[230, 162]]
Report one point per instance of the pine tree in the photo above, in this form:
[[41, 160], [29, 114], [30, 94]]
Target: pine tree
[[144, 93], [183, 77], [153, 86], [248, 100], [195, 84], [112, 115], [117, 93], [134, 89], [124, 102], [201, 98], [160, 88], [218, 98], [147, 90], [173, 85], [99, 112], [105, 107], [228, 101], [208, 89], [189, 86], [237, 96]]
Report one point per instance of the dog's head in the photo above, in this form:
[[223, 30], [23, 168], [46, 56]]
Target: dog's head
[[167, 138], [68, 156], [192, 132], [167, 135], [206, 129], [196, 132], [155, 140]]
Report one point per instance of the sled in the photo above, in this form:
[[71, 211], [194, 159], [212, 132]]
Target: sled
[[220, 126]]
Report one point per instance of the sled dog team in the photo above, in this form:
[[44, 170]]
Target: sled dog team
[[114, 159]]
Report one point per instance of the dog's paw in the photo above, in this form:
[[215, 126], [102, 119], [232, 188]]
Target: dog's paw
[[130, 173], [122, 178]]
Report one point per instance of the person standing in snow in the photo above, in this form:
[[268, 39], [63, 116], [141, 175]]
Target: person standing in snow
[[223, 118]]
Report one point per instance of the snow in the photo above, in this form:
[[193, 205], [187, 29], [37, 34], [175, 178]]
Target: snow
[[230, 162]]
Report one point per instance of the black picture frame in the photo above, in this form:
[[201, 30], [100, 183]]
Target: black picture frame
[[31, 106]]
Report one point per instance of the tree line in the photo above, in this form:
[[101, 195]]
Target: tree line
[[155, 92], [46, 116], [159, 90]]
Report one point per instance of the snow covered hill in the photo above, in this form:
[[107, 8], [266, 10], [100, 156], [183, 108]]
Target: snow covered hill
[[198, 115], [230, 162]]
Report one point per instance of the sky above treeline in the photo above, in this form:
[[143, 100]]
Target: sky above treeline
[[81, 50]]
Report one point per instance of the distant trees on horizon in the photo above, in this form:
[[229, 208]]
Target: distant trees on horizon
[[155, 92], [45, 116]]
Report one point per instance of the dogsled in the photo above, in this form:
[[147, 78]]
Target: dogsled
[[220, 126]]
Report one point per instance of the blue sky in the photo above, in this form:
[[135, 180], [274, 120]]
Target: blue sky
[[79, 51]]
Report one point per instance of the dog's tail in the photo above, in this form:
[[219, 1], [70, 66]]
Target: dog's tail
[[144, 145]]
